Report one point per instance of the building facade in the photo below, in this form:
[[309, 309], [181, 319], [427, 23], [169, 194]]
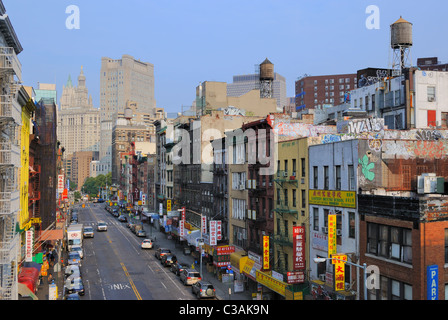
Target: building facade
[[122, 80]]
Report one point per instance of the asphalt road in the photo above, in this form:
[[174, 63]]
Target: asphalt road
[[114, 266]]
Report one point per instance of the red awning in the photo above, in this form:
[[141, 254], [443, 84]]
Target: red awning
[[56, 234]]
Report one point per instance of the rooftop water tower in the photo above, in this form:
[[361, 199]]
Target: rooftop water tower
[[266, 79], [401, 43]]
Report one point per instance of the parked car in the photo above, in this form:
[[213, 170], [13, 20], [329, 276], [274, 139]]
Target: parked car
[[178, 267], [161, 252], [203, 289], [71, 296], [88, 232], [122, 218], [168, 259], [130, 224], [115, 212], [74, 258], [74, 285], [102, 226], [79, 250], [147, 244], [141, 233], [189, 277], [72, 269]]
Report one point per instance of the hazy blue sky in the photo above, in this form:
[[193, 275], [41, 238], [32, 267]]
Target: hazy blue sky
[[193, 41]]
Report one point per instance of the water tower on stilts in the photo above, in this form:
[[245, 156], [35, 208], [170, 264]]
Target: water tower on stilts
[[401, 43]]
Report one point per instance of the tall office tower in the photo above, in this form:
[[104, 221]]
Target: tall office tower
[[244, 83], [78, 121], [46, 90], [122, 80]]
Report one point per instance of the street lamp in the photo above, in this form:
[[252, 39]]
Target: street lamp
[[363, 266]]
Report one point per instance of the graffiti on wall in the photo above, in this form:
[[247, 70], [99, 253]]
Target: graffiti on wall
[[366, 166], [405, 149]]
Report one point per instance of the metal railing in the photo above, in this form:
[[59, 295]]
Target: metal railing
[[10, 62]]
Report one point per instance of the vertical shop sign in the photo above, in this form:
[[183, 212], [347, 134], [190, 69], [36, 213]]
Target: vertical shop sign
[[299, 248]]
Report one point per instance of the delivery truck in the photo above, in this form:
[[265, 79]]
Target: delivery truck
[[74, 235]]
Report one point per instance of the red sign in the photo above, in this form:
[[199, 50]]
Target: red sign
[[225, 250], [218, 230], [295, 277], [183, 213], [298, 234]]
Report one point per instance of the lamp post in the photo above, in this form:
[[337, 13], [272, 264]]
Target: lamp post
[[363, 266]]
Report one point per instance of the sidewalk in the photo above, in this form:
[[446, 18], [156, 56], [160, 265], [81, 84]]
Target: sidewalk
[[222, 289]]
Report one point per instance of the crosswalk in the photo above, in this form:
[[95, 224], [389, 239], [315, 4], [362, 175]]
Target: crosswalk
[[94, 223]]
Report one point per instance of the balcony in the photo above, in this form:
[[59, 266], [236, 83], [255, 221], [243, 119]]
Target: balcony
[[9, 109], [9, 202], [286, 177], [9, 63], [283, 239]]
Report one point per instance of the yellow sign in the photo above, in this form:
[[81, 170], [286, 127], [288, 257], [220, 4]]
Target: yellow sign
[[331, 234], [334, 198], [168, 205], [339, 271], [265, 252], [271, 283]]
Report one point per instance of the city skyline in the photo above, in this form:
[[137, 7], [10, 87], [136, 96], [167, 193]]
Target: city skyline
[[208, 41]]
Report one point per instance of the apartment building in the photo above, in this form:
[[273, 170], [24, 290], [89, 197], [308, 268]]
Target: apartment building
[[315, 91]]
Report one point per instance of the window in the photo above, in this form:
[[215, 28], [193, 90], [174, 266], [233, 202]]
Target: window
[[285, 192], [302, 160], [431, 94], [351, 177], [390, 242], [315, 177], [294, 200], [326, 178], [293, 167], [338, 177], [351, 225], [303, 198], [373, 102], [316, 219]]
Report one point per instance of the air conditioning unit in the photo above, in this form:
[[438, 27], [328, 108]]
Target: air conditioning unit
[[338, 232], [302, 180], [293, 174], [430, 183], [285, 173], [325, 229], [241, 187], [431, 99], [322, 277]]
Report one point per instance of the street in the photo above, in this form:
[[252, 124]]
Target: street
[[114, 266]]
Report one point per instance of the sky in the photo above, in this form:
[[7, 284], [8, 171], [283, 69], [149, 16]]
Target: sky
[[210, 40]]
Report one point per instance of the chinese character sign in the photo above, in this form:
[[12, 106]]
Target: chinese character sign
[[339, 271], [29, 243], [331, 234], [168, 205], [204, 224], [218, 230], [183, 213], [265, 252], [299, 248], [182, 228], [213, 235]]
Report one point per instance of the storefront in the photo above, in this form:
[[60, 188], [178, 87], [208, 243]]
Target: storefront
[[323, 291]]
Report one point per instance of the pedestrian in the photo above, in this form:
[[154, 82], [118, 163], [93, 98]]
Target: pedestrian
[[50, 277]]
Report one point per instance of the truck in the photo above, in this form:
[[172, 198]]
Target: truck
[[74, 235]]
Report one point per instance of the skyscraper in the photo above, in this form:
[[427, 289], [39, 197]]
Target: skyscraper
[[78, 126], [122, 80]]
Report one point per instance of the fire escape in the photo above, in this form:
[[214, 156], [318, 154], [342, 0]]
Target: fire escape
[[10, 119]]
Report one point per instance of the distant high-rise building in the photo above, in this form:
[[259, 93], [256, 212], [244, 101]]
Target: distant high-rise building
[[244, 83], [78, 121], [46, 90], [314, 91], [122, 80]]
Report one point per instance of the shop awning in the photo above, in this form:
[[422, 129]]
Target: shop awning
[[250, 268], [56, 234], [238, 260]]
